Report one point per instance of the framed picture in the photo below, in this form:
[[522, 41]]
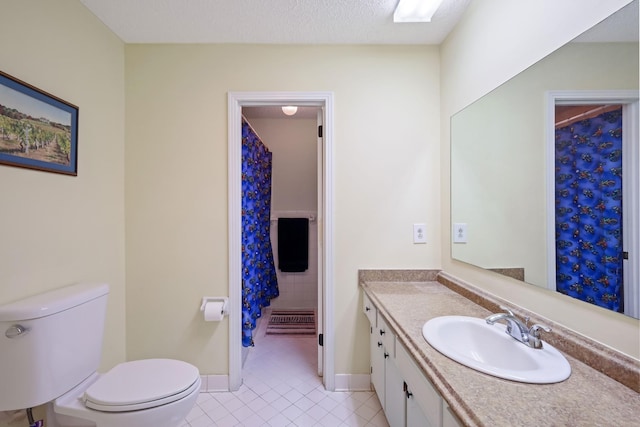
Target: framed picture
[[37, 130]]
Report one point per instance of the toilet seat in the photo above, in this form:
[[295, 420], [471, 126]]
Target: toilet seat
[[142, 384]]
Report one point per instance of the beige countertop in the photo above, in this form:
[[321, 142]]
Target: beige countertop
[[587, 398]]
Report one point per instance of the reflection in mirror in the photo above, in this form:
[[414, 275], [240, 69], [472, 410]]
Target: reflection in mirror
[[592, 197], [500, 163]]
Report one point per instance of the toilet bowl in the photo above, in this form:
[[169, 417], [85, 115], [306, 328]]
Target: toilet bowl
[[151, 392]]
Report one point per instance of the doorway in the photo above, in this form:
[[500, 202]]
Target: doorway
[[323, 101], [593, 197], [280, 181]]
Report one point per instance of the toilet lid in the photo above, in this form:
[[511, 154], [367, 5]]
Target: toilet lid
[[142, 384]]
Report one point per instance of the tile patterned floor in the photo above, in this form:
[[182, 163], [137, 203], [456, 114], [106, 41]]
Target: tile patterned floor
[[281, 388]]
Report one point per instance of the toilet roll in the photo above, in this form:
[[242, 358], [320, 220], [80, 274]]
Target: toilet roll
[[213, 311]]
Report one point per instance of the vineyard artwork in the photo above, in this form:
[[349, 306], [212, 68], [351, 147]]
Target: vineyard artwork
[[37, 130]]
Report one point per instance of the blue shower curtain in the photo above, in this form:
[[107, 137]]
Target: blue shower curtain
[[589, 210], [259, 282]]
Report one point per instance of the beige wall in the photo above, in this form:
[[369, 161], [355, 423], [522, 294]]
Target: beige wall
[[519, 35], [294, 144], [386, 178], [56, 230]]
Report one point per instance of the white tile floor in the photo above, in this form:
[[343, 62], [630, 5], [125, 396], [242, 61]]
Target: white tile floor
[[281, 388]]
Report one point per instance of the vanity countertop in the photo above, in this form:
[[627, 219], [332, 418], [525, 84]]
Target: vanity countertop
[[586, 398]]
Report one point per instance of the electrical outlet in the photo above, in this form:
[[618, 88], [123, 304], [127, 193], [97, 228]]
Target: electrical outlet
[[460, 232], [419, 233]]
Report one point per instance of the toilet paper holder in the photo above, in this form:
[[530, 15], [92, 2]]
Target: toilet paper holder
[[224, 300]]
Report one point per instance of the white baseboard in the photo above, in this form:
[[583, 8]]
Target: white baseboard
[[353, 382], [343, 382], [214, 383]]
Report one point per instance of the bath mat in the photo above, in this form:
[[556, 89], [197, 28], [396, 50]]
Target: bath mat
[[292, 322]]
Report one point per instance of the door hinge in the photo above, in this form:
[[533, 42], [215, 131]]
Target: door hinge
[[625, 255], [320, 340], [320, 131]]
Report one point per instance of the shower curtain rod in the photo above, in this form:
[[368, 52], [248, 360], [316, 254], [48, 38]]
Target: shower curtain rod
[[312, 218], [587, 114]]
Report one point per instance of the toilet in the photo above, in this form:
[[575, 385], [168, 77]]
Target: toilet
[[50, 349]]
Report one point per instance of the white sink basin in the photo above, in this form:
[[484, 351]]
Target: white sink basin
[[489, 349]]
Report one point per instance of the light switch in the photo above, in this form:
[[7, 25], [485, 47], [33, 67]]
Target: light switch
[[419, 233], [460, 232]]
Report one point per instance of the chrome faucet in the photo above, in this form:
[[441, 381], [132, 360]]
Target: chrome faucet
[[519, 330]]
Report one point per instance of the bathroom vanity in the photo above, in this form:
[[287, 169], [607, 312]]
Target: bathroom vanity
[[418, 386], [397, 379]]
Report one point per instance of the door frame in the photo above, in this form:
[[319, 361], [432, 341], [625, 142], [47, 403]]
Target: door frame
[[235, 102], [630, 100]]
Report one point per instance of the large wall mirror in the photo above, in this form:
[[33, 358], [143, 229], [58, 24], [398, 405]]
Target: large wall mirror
[[505, 199]]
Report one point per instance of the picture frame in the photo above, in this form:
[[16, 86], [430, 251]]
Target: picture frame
[[37, 130]]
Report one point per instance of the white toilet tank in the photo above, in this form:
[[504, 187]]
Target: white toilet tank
[[49, 343]]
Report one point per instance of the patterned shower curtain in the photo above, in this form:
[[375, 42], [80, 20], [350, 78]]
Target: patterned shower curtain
[[589, 210], [259, 282]]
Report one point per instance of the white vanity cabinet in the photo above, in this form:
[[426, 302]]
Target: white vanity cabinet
[[424, 404], [369, 310], [385, 376], [377, 364], [394, 401], [415, 415], [376, 347], [448, 419], [407, 397]]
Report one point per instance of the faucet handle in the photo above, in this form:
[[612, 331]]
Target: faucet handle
[[534, 333], [507, 310], [535, 329]]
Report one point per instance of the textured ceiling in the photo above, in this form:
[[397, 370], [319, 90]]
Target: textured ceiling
[[272, 22]]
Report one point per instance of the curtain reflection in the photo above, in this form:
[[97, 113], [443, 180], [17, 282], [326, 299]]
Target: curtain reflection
[[588, 195]]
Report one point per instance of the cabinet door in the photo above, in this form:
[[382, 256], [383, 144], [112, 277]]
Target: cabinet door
[[377, 364], [415, 416], [369, 310], [448, 419], [424, 394], [394, 393], [386, 335]]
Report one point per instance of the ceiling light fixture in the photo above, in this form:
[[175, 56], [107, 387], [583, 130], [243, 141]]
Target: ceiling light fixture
[[289, 110], [415, 10]]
